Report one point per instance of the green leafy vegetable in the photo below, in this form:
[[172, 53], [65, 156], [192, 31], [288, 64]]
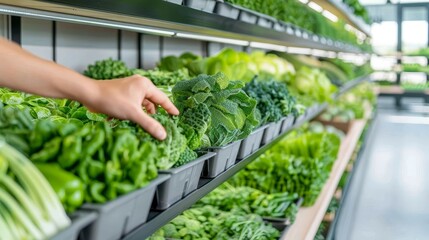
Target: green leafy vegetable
[[251, 201], [273, 99], [300, 163], [29, 208], [209, 222], [233, 114], [108, 69]]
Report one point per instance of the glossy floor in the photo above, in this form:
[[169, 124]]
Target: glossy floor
[[389, 194]]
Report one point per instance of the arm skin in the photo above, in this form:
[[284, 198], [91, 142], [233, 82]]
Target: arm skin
[[119, 98]]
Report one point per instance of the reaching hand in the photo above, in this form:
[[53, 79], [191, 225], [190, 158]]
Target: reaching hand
[[124, 98], [120, 98]]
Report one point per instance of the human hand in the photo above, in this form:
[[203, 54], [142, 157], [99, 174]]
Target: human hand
[[124, 98]]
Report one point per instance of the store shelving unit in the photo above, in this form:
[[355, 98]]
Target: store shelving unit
[[171, 20], [352, 174], [159, 218], [349, 85], [342, 11], [308, 219], [396, 91]]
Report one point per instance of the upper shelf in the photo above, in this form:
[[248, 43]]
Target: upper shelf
[[343, 11], [169, 19]]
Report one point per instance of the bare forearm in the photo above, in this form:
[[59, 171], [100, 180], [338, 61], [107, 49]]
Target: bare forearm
[[120, 98], [22, 71]]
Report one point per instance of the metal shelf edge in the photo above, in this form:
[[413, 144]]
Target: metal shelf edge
[[173, 18]]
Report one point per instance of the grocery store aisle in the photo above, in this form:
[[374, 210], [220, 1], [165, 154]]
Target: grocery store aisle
[[389, 194]]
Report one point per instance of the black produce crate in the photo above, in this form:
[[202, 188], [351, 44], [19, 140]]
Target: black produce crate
[[226, 10], [178, 2], [183, 180], [120, 216], [287, 123], [203, 5], [252, 143], [80, 220], [282, 224], [225, 158], [271, 132]]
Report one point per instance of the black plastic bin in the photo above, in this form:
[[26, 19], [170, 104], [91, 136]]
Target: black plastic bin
[[203, 5], [282, 224], [80, 220], [271, 132], [287, 123], [179, 2], [225, 157], [183, 180], [226, 10], [120, 216], [252, 143]]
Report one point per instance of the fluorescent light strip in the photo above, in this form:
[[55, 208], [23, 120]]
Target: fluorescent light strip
[[296, 50], [330, 15], [268, 46], [319, 53], [408, 120], [212, 39], [316, 7], [348, 27], [332, 54], [81, 20]]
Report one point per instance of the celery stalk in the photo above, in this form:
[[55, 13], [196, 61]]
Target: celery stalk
[[46, 226], [36, 186], [19, 214], [4, 229], [13, 227]]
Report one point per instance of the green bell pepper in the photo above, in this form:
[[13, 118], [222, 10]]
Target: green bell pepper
[[69, 188]]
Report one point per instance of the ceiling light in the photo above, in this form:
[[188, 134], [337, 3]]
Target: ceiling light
[[296, 50], [319, 53], [81, 20], [316, 7], [268, 46], [212, 39], [330, 15]]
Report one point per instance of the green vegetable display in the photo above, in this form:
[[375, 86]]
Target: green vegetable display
[[273, 99], [414, 86], [108, 69], [110, 162], [300, 164], [69, 188], [420, 52], [251, 201], [187, 60], [232, 111], [164, 78], [351, 70], [294, 12], [358, 10], [208, 222], [15, 127], [313, 85], [29, 208], [351, 105], [414, 67], [185, 157], [234, 64]]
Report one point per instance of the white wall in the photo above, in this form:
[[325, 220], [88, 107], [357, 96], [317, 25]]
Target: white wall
[[76, 46]]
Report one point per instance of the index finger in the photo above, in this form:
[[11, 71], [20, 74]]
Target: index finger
[[158, 97]]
